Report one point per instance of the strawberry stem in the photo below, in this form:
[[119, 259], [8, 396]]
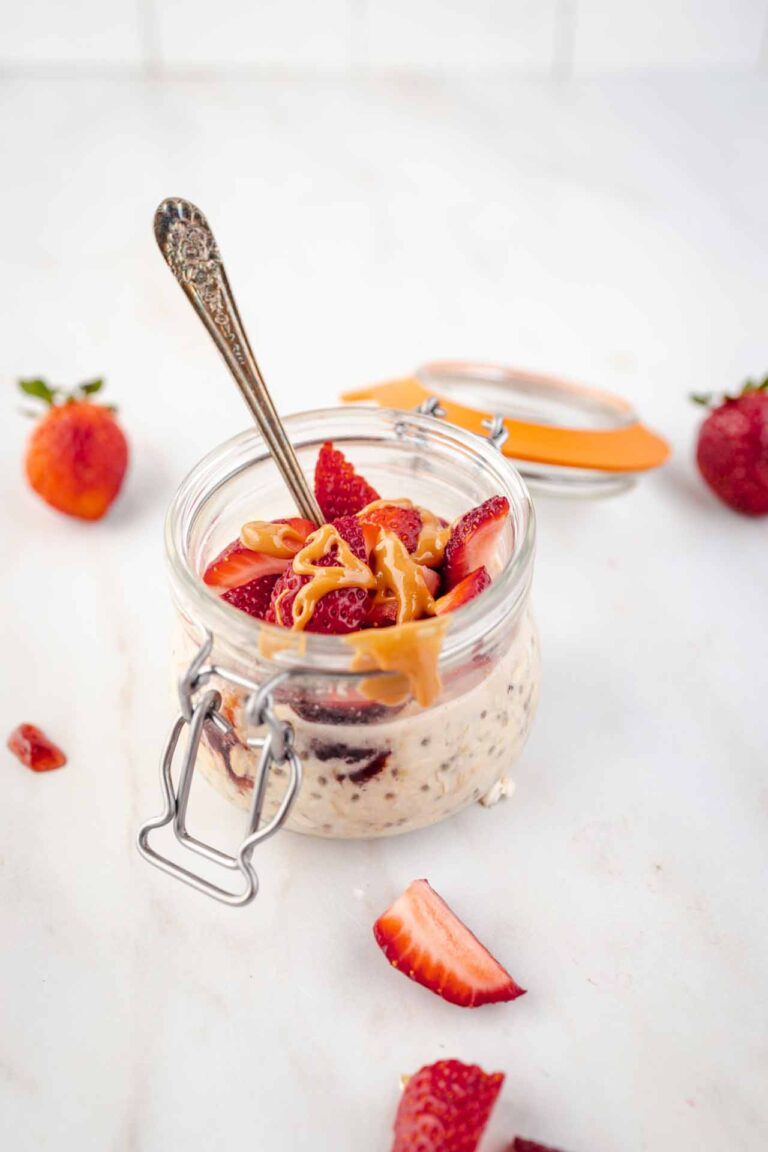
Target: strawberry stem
[[710, 398]]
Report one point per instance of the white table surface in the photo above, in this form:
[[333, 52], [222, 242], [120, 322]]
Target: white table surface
[[614, 232]]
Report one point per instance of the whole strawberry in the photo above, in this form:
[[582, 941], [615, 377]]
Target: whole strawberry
[[732, 449], [77, 454]]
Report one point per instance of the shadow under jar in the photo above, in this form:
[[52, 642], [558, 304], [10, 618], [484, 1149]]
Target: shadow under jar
[[369, 768]]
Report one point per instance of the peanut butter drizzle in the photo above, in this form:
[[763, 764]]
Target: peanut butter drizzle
[[347, 572], [279, 540], [411, 650], [398, 576], [432, 540]]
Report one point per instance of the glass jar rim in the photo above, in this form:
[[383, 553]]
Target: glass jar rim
[[307, 429]]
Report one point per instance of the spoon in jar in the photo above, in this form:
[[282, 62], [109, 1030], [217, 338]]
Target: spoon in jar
[[191, 252]]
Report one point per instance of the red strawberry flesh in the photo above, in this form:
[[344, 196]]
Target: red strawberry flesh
[[34, 749], [445, 1108], [403, 522], [463, 592], [253, 597], [338, 488], [732, 452], [336, 613], [238, 565], [420, 935], [476, 541]]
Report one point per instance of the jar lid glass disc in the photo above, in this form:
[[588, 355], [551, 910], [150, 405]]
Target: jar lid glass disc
[[561, 436]]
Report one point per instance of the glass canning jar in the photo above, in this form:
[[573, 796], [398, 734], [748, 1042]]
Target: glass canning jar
[[370, 768]]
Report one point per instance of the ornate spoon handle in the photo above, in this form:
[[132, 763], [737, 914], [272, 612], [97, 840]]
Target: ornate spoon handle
[[190, 249]]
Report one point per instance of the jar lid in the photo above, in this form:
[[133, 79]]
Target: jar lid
[[562, 436]]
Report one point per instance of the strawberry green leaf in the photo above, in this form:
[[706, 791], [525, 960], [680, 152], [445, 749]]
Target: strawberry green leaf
[[90, 387], [704, 398], [39, 389]]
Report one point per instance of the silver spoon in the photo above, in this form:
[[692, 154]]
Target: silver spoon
[[188, 245]]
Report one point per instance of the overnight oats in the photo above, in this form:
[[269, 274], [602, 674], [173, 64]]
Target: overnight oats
[[400, 629]]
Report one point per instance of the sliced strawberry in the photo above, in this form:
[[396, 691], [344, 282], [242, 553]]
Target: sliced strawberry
[[253, 597], [34, 749], [238, 565], [420, 935], [370, 536], [403, 522], [445, 1108], [431, 579], [338, 488], [476, 541], [338, 612], [520, 1145], [463, 592], [381, 614]]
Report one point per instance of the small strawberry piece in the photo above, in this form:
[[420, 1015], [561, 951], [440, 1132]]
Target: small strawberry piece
[[77, 454], [403, 522], [732, 450], [254, 597], [445, 1108], [420, 935], [476, 541], [336, 613], [381, 614], [463, 592], [520, 1145], [238, 565], [338, 488], [34, 749], [431, 579]]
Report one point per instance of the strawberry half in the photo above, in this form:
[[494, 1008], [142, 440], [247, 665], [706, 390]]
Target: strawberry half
[[336, 613], [254, 597], [420, 935], [403, 522], [445, 1108], [476, 541], [238, 565], [463, 592], [338, 488]]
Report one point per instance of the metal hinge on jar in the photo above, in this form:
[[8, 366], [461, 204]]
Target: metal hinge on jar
[[197, 707], [498, 433]]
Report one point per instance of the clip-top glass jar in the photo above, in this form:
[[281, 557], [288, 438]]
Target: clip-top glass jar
[[373, 763]]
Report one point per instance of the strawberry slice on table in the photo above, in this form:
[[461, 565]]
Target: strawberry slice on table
[[521, 1145], [338, 489], [476, 541], [340, 611], [34, 749], [238, 565], [445, 1108], [463, 592], [420, 935], [403, 522]]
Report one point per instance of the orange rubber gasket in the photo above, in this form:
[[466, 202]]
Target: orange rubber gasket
[[630, 448]]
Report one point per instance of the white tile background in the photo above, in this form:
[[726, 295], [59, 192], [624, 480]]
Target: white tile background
[[560, 37]]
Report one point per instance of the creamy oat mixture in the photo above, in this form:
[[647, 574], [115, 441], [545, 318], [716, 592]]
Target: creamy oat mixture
[[378, 779]]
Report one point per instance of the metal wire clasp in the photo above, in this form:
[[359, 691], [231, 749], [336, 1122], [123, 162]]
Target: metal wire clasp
[[498, 433], [276, 749]]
